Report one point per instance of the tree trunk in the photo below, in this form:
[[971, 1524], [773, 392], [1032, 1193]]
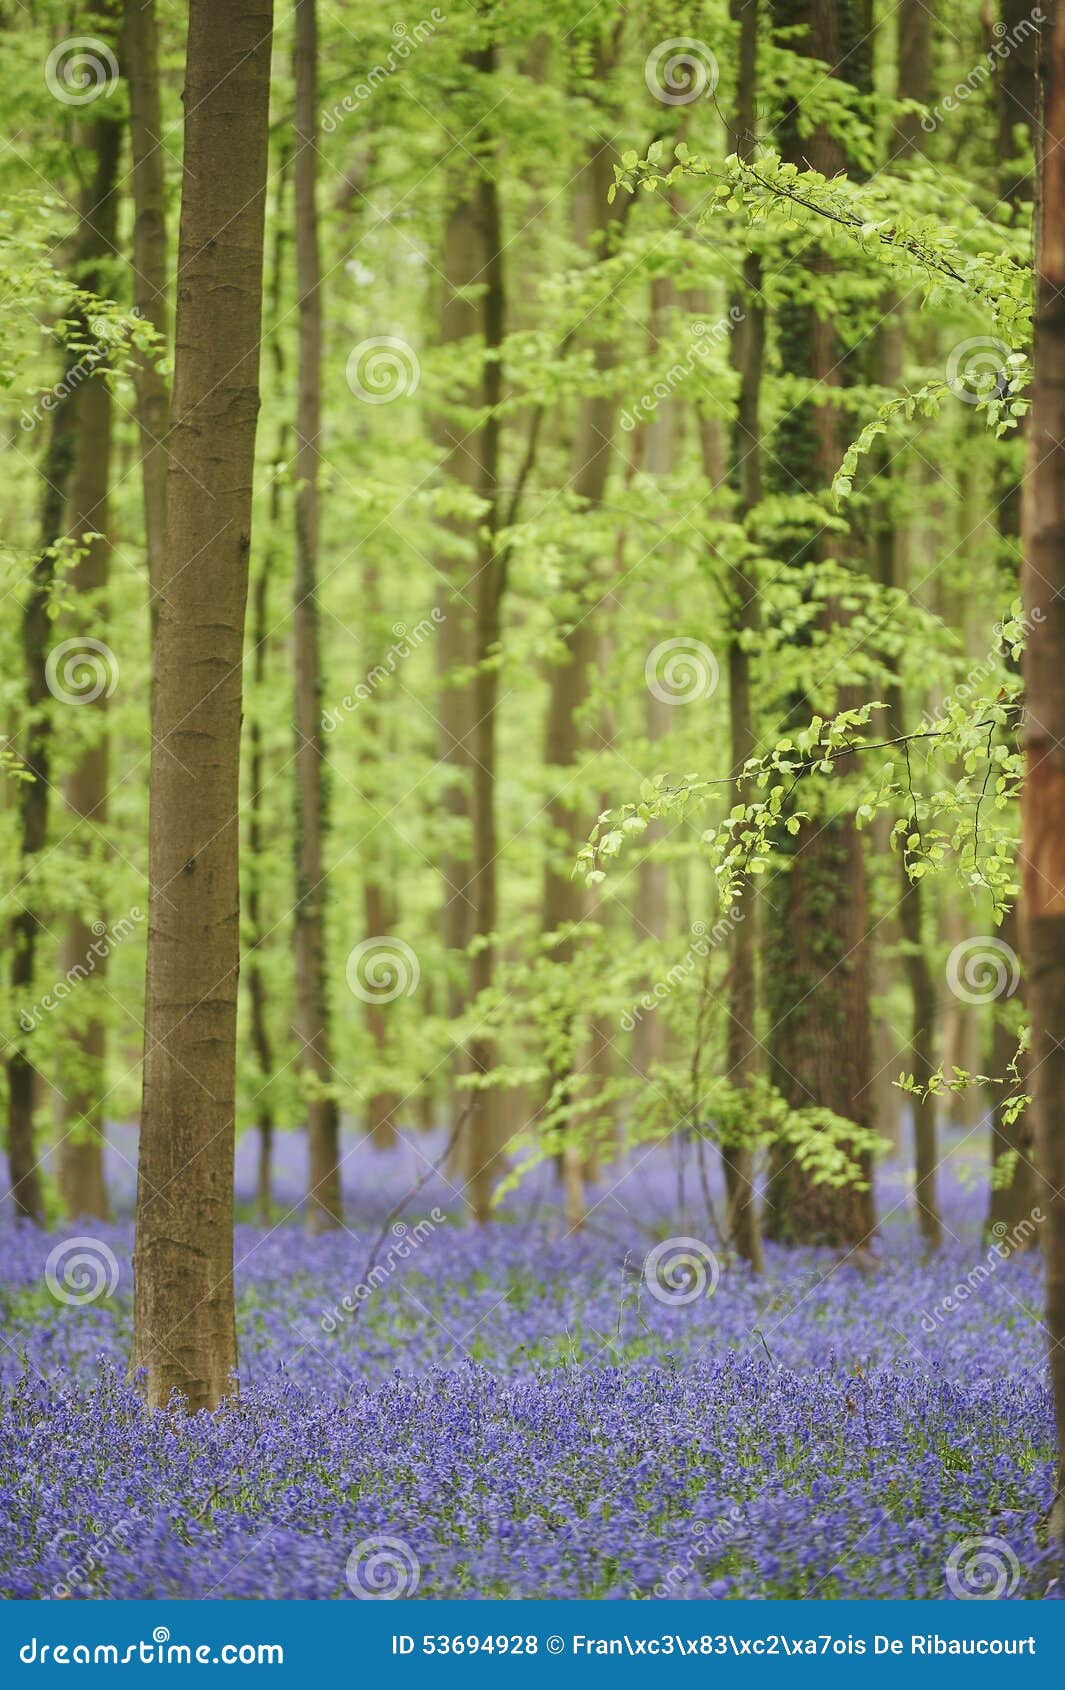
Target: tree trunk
[[816, 963], [564, 897], [253, 967], [747, 349], [1016, 88], [1043, 799], [184, 1329], [141, 68], [90, 245], [81, 1163], [914, 25], [324, 1208], [482, 1130]]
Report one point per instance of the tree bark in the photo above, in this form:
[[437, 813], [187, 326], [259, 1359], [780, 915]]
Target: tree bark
[[184, 1329], [324, 1206], [747, 351], [914, 32], [1017, 91], [150, 281], [565, 902], [1043, 796], [80, 1158], [816, 960], [482, 1130]]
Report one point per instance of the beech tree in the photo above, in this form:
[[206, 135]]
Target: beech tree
[[184, 1333]]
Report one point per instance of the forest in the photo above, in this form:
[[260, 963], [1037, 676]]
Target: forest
[[532, 800]]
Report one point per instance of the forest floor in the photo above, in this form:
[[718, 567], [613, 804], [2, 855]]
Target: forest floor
[[517, 1412]]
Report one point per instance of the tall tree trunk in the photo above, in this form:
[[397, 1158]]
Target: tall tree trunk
[[459, 322], [148, 183], [91, 244], [914, 35], [259, 1026], [324, 1207], [184, 1329], [81, 1162], [1043, 800], [1013, 1184], [36, 636], [564, 898], [379, 914], [483, 1129], [817, 962], [748, 345], [253, 966]]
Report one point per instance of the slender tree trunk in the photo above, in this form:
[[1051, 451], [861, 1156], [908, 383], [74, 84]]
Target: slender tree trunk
[[1013, 1185], [33, 806], [81, 1163], [324, 1207], [259, 1025], [184, 1328], [253, 966], [914, 27], [748, 345], [483, 1132], [459, 323], [816, 965], [378, 900], [82, 370], [564, 898], [1043, 800], [148, 182]]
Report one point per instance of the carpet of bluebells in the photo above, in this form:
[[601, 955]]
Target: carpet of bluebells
[[512, 1411]]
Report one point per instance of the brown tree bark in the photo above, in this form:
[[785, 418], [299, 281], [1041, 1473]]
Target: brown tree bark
[[482, 1134], [140, 63], [80, 1158], [565, 901], [82, 370], [914, 36], [379, 912], [816, 962], [253, 968], [184, 1329], [1012, 1198], [1043, 797], [747, 351], [324, 1206]]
